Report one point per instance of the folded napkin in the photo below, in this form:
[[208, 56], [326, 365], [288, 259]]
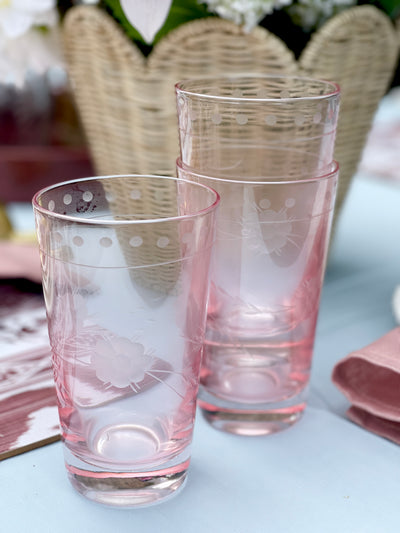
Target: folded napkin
[[19, 261], [370, 379]]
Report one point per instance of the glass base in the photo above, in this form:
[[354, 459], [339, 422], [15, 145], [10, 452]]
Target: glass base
[[249, 424], [127, 490], [260, 419]]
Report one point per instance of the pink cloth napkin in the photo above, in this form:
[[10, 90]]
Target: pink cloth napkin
[[370, 379], [20, 261]]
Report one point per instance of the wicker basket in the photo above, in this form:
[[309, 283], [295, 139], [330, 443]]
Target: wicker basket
[[127, 102]]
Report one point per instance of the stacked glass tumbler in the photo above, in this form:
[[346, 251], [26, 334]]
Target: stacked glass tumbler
[[265, 144]]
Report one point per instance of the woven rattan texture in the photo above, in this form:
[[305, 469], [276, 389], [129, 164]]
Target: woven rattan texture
[[359, 50], [127, 102]]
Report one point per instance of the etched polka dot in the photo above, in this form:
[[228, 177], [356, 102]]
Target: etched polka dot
[[285, 94], [136, 241], [67, 199], [270, 120], [317, 118], [181, 101], [193, 116], [236, 93], [58, 237], [242, 119], [135, 194], [87, 196], [265, 203], [162, 242], [77, 240], [290, 202], [105, 242], [51, 205], [299, 120], [216, 118], [109, 196], [262, 93]]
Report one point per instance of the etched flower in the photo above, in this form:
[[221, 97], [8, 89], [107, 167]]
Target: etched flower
[[276, 229], [120, 362]]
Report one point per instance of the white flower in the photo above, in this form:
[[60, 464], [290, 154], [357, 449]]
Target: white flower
[[23, 47], [18, 16], [245, 12], [33, 51]]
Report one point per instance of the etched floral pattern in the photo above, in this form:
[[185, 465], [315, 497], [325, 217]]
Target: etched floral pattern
[[277, 229], [272, 230], [120, 362]]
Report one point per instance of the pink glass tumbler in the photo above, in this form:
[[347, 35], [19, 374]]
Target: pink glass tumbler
[[265, 144], [125, 263], [257, 127], [266, 276]]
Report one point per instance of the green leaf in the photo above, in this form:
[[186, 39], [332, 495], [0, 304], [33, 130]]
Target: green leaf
[[392, 7], [182, 11]]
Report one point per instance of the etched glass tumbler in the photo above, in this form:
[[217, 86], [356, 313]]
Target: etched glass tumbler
[[266, 276], [265, 144], [125, 263], [257, 127]]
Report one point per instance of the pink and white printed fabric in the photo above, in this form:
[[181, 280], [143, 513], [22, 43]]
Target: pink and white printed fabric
[[28, 405]]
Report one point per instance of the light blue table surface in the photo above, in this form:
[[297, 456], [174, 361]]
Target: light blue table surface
[[323, 475]]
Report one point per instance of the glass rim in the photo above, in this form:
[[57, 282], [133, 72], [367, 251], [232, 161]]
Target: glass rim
[[325, 175], [109, 222], [180, 89]]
